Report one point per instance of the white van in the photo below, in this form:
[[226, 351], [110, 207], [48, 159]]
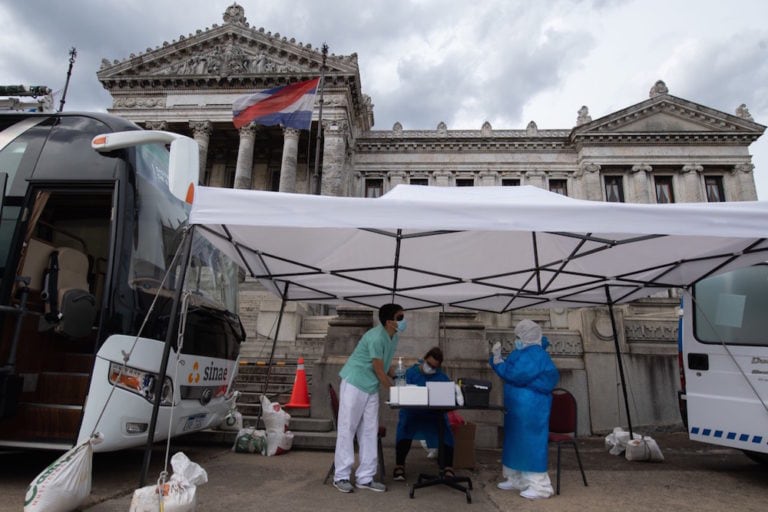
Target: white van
[[724, 361]]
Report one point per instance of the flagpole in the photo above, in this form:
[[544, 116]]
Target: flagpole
[[316, 174]]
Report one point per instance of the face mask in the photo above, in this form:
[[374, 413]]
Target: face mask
[[401, 325], [518, 344], [427, 370]]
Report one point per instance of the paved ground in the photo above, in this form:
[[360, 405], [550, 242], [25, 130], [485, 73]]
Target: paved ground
[[692, 477]]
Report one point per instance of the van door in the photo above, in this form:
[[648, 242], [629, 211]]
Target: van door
[[725, 358]]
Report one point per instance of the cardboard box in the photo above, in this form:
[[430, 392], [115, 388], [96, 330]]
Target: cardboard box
[[464, 446], [442, 393], [413, 395]]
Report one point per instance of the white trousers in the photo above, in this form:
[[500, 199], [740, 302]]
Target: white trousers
[[358, 417]]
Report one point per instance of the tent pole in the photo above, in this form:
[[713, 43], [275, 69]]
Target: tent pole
[[274, 343], [618, 358], [172, 331]]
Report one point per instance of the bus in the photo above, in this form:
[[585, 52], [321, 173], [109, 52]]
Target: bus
[[93, 281], [724, 361]]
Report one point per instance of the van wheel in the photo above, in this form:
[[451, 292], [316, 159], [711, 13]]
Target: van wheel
[[760, 458]]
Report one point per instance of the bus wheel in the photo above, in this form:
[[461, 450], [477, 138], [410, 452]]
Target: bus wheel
[[760, 458]]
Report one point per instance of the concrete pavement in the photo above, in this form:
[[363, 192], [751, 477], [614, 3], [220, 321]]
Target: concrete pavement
[[693, 477]]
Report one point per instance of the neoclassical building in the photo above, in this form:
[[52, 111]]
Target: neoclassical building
[[661, 149]]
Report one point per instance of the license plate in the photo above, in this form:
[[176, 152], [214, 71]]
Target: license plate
[[195, 422]]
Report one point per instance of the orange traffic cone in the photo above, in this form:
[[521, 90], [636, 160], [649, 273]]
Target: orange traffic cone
[[300, 394]]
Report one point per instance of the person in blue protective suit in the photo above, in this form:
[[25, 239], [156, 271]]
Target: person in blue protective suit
[[423, 424], [529, 377]]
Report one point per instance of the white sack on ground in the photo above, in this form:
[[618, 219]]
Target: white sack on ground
[[645, 449], [179, 494], [616, 441], [64, 484]]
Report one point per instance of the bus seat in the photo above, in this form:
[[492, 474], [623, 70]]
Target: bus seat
[[36, 260], [70, 307]]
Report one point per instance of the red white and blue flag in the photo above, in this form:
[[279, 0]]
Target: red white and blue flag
[[290, 106]]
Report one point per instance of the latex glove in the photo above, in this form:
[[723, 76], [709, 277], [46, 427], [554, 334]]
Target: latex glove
[[496, 351], [459, 396]]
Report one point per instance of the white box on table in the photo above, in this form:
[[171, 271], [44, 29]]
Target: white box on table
[[442, 394], [413, 395], [394, 396]]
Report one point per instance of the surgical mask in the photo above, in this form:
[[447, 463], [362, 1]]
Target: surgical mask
[[518, 344], [401, 325], [427, 370]]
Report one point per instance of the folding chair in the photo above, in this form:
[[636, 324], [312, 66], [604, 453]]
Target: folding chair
[[563, 426], [334, 399]]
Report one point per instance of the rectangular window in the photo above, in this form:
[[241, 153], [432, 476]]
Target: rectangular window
[[664, 192], [714, 188], [510, 182], [465, 182], [559, 187], [374, 187], [614, 189], [419, 181]]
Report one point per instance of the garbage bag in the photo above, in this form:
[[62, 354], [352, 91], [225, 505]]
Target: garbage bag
[[250, 440], [275, 418], [645, 449], [279, 443], [179, 494], [616, 441], [65, 483]]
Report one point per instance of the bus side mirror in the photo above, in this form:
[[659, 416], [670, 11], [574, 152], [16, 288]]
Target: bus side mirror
[[184, 168]]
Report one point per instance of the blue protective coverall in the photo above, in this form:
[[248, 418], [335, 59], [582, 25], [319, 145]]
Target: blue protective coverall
[[422, 424], [529, 377]]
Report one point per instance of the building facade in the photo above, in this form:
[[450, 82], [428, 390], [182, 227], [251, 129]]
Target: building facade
[[659, 150]]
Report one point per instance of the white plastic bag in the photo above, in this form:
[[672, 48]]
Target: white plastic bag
[[250, 440], [233, 421], [64, 484], [179, 494], [431, 452], [279, 443], [616, 441], [275, 418], [645, 449]]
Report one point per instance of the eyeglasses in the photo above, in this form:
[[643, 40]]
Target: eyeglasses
[[399, 317]]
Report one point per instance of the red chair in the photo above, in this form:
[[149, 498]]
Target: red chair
[[563, 426], [334, 399]]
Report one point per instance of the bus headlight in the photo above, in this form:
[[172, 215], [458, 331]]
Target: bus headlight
[[140, 382]]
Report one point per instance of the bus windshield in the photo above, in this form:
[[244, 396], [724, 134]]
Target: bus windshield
[[731, 307]]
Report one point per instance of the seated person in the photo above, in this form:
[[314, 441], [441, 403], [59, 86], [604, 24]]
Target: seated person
[[423, 424]]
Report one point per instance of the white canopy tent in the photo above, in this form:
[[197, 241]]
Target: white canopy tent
[[493, 249], [485, 248]]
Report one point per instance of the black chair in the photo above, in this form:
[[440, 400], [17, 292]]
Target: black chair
[[563, 426], [334, 399]]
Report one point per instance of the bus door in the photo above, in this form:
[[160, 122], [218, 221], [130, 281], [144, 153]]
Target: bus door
[[725, 358]]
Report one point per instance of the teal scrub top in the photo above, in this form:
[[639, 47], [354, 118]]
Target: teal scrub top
[[375, 344]]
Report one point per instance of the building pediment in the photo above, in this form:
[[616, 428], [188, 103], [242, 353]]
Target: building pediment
[[667, 116], [232, 50]]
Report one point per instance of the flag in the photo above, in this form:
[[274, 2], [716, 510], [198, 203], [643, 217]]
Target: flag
[[289, 106]]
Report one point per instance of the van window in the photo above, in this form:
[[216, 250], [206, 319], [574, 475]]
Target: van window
[[732, 307]]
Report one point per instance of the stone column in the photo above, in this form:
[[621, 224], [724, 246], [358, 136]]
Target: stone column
[[745, 182], [692, 186], [334, 156], [488, 178], [641, 191], [289, 162], [244, 165], [591, 187], [396, 178], [156, 125], [443, 178], [201, 132]]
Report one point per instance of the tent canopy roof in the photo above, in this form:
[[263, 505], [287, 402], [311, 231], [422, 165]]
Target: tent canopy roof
[[482, 248]]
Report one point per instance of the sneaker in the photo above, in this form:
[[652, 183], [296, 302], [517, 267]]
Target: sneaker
[[399, 474], [343, 485], [372, 486]]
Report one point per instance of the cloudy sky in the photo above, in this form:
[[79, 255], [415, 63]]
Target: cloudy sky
[[425, 61]]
